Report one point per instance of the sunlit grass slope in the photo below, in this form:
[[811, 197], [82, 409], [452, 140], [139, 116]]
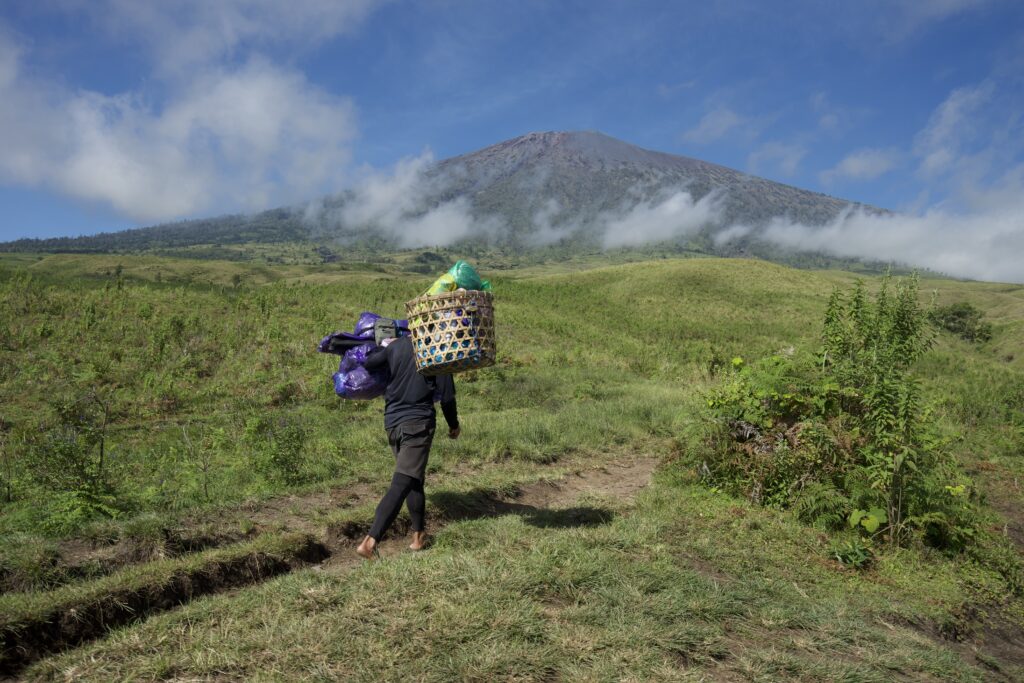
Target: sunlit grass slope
[[687, 584], [586, 360]]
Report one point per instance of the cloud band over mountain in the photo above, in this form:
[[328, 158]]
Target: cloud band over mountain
[[486, 196]]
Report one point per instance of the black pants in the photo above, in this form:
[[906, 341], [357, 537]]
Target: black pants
[[404, 489], [410, 443]]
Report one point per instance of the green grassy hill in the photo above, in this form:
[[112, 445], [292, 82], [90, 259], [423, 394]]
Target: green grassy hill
[[221, 432]]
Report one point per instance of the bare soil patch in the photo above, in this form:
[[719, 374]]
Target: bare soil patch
[[621, 479], [547, 504], [1006, 500], [984, 637]]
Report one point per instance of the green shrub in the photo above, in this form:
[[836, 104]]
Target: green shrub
[[68, 511], [821, 505], [855, 553], [963, 320], [841, 436], [280, 445]]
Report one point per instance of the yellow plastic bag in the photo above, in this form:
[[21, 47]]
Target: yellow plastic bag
[[445, 283]]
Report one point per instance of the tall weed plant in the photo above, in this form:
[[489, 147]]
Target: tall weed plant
[[841, 435]]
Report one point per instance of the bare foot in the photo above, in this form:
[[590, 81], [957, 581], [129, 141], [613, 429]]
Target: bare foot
[[368, 548], [419, 540]]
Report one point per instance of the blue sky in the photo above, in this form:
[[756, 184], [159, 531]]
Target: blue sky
[[119, 113]]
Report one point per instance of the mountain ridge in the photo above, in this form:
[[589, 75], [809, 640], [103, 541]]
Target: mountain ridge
[[540, 188], [614, 170]]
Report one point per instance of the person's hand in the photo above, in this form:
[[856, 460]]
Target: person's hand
[[454, 433]]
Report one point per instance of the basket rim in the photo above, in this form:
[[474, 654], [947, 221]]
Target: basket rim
[[449, 295]]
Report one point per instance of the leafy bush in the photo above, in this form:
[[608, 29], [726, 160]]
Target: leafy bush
[[963, 320], [281, 447], [69, 511], [821, 505], [67, 457], [841, 435], [856, 553]]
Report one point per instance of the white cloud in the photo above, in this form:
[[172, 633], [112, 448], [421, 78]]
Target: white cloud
[[776, 155], [662, 219], [731, 233], [828, 115], [903, 18], [977, 231], [547, 226], [863, 164], [399, 205], [384, 198], [950, 128], [713, 125], [828, 121], [985, 244], [9, 58], [182, 34], [670, 89], [215, 127], [247, 138]]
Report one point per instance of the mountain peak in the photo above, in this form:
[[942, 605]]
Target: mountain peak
[[586, 173], [581, 150]]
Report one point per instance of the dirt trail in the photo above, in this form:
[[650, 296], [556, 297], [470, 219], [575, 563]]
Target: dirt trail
[[303, 513], [78, 559], [554, 504], [546, 504], [621, 479]]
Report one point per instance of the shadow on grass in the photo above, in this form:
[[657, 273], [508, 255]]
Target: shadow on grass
[[479, 503], [449, 506]]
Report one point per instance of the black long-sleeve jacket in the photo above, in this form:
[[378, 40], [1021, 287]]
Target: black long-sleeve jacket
[[410, 395]]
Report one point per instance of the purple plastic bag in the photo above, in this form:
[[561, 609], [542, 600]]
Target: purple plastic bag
[[355, 357], [339, 382], [364, 326], [360, 384], [339, 342], [353, 381]]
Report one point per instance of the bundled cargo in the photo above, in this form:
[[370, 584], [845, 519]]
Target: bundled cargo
[[369, 327], [460, 276], [352, 380], [452, 331]]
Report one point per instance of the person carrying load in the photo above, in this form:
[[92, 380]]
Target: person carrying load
[[410, 420], [450, 330]]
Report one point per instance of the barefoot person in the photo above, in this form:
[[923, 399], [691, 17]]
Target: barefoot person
[[409, 419]]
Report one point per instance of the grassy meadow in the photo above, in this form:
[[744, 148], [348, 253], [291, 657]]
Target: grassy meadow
[[200, 385]]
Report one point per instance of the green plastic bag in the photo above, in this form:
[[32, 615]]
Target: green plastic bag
[[460, 276]]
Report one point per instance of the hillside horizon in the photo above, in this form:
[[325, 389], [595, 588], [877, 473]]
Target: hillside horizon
[[577, 190]]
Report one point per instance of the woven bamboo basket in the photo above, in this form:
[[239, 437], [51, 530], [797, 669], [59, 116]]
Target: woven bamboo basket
[[452, 332]]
